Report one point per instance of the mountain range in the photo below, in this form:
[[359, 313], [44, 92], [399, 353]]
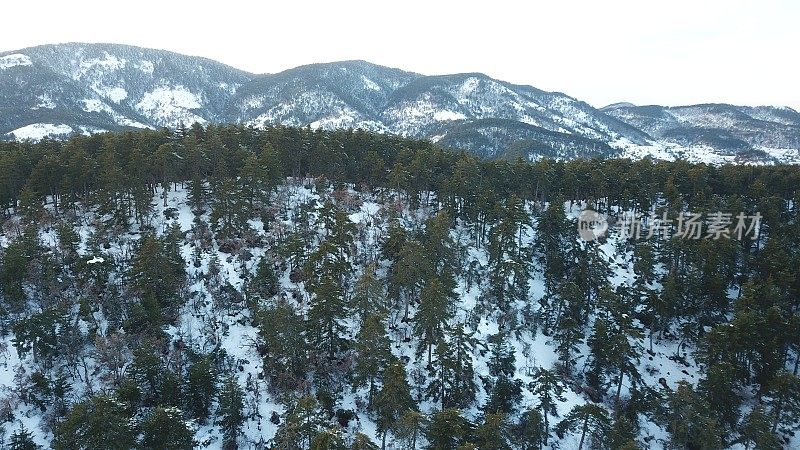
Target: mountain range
[[58, 90]]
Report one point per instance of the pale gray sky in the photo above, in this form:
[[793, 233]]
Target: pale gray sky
[[666, 52]]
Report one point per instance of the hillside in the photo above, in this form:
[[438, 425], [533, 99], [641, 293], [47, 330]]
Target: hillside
[[58, 90]]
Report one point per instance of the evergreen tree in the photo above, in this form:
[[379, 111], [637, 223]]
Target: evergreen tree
[[283, 347], [494, 433], [202, 388], [157, 274], [530, 432], [231, 412], [22, 439], [393, 400], [690, 421], [369, 296], [453, 384], [436, 307], [755, 430], [373, 353], [363, 442], [509, 260], [165, 429], [95, 424], [447, 430], [548, 388], [303, 421], [408, 427], [328, 440], [590, 419]]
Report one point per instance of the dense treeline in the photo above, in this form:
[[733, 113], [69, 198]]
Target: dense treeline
[[96, 311], [129, 164]]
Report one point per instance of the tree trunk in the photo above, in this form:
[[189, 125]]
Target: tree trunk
[[546, 425], [583, 432]]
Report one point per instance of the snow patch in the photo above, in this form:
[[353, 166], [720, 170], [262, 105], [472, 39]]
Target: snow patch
[[45, 102], [145, 66], [369, 84], [17, 59], [443, 116], [171, 106], [116, 94], [39, 131]]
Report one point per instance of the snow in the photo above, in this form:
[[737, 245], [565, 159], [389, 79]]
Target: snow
[[203, 325], [145, 66], [15, 60], [445, 115], [108, 63], [39, 131], [45, 102], [369, 84], [115, 93], [171, 106], [97, 105]]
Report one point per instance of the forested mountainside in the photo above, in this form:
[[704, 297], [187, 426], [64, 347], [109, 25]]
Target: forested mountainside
[[64, 89], [288, 288]]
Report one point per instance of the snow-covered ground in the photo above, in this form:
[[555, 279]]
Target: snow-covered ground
[[203, 326]]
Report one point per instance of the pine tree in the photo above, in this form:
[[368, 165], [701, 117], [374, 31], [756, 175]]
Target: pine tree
[[755, 430], [548, 388], [373, 353], [369, 296], [22, 439], [589, 419], [393, 400], [509, 260], [453, 384], [447, 430], [157, 274], [502, 359], [408, 427], [326, 270], [303, 421], [165, 429], [328, 440], [283, 345], [504, 395], [436, 307], [202, 388], [785, 400], [689, 420], [363, 442], [231, 412], [98, 423], [494, 433], [530, 432]]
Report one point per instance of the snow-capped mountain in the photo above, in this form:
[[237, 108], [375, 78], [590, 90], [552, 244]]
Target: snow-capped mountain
[[759, 132], [57, 90]]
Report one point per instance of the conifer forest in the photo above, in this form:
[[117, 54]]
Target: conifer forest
[[224, 287]]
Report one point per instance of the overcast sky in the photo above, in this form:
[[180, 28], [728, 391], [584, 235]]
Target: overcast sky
[[646, 52]]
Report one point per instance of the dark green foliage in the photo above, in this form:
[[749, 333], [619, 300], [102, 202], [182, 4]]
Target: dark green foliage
[[732, 305], [394, 398], [166, 429], [231, 412], [95, 424], [447, 430], [202, 387], [22, 439]]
